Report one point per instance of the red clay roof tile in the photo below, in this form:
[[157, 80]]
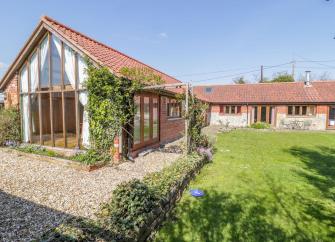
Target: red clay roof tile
[[296, 92], [108, 56]]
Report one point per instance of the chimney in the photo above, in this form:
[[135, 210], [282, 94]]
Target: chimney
[[308, 79]]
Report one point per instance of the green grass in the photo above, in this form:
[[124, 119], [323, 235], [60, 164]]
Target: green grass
[[261, 186]]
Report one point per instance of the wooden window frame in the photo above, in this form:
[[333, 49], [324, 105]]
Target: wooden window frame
[[168, 107], [50, 91], [232, 110], [300, 108]]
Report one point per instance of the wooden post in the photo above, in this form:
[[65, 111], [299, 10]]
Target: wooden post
[[51, 95], [77, 103], [39, 95], [187, 119]]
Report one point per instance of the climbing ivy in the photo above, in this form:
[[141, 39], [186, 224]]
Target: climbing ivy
[[111, 101]]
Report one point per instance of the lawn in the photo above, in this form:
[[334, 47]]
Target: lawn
[[261, 186]]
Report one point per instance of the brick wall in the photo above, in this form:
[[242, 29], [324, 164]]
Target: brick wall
[[170, 129], [315, 122], [11, 93], [231, 120]]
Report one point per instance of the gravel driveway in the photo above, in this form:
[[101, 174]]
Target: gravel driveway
[[36, 195]]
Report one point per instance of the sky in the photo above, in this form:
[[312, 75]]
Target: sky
[[202, 42]]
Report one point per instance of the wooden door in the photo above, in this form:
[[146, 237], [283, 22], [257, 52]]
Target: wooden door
[[146, 120]]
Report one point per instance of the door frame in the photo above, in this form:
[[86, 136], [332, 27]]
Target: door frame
[[151, 140], [327, 120], [268, 113]]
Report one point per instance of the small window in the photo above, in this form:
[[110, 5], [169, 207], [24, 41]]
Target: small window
[[232, 109], [304, 110], [301, 110], [173, 108], [208, 89], [227, 109], [297, 110], [311, 110]]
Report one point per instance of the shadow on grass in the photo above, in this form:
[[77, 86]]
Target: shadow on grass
[[221, 216], [319, 168]]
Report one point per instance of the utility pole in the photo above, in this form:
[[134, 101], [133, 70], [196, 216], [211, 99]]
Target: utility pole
[[262, 73], [293, 69]]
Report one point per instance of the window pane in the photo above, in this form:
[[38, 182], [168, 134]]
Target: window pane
[[297, 110], [146, 110], [69, 67], [227, 109], [311, 110], [82, 75], [56, 50], [46, 122], [304, 110], [290, 110], [137, 121], [155, 117], [233, 109], [331, 116], [263, 114], [33, 72], [70, 119], [24, 79], [44, 63], [58, 119], [35, 122]]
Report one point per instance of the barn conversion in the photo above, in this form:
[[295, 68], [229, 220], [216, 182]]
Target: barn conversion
[[296, 105], [46, 83]]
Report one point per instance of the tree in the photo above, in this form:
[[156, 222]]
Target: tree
[[279, 77], [283, 77], [239, 80]]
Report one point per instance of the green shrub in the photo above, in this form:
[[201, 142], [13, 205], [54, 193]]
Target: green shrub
[[129, 209], [10, 128], [260, 125], [38, 150], [91, 157]]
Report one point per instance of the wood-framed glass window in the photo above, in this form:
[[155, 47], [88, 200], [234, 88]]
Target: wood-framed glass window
[[230, 109], [173, 108], [52, 104], [301, 110]]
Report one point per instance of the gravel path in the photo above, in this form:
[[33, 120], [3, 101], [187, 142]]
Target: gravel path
[[36, 195]]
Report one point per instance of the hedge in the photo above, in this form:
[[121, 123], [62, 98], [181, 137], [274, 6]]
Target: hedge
[[133, 207]]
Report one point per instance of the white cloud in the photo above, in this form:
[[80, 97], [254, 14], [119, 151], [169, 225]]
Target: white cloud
[[163, 35]]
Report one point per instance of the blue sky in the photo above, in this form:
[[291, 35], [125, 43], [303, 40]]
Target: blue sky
[[188, 38]]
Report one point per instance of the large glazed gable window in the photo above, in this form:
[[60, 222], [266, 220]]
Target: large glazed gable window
[[53, 101]]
